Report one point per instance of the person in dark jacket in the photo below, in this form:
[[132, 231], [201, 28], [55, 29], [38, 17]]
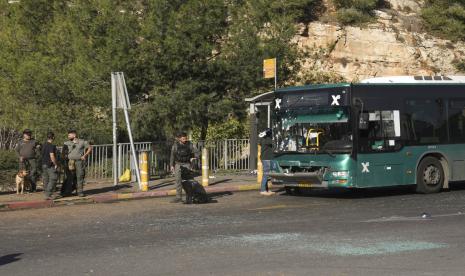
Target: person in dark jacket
[[49, 166], [27, 153], [182, 155], [266, 154]]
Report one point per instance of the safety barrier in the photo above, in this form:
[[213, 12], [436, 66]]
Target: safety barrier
[[231, 154]]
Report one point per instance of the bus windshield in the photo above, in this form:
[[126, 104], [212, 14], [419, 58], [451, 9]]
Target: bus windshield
[[317, 129]]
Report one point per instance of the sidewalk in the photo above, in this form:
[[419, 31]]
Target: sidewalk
[[98, 192]]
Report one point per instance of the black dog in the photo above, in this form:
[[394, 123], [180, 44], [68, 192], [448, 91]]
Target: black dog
[[195, 193]]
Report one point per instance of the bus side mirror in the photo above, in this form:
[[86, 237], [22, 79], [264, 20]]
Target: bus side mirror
[[363, 122]]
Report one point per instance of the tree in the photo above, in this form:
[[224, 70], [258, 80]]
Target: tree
[[57, 58], [188, 63], [207, 56]]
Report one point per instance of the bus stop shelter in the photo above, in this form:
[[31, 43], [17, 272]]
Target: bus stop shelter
[[260, 119]]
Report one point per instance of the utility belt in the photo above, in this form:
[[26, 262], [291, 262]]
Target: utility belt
[[72, 164]]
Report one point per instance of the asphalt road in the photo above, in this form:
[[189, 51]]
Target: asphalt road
[[337, 233]]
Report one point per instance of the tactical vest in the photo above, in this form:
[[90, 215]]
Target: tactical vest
[[183, 152]]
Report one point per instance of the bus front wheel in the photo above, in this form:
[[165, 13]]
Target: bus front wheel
[[430, 176], [292, 190]]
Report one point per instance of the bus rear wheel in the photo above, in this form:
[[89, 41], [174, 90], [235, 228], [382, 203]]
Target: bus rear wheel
[[430, 176]]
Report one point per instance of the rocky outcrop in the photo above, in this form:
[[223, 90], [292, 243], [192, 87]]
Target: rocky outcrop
[[394, 45]]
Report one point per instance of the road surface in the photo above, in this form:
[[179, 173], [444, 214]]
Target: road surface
[[382, 232]]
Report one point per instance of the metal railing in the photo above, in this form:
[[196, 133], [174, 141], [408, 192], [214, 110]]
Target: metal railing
[[231, 154]]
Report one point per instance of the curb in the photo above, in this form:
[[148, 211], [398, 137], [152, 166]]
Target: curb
[[21, 205]]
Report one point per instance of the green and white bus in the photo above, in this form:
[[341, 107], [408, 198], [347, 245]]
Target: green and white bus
[[380, 132]]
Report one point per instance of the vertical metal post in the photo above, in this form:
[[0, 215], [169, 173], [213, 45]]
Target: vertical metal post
[[122, 86], [205, 167], [259, 165], [144, 170], [115, 142], [275, 74], [269, 116], [225, 154], [120, 158], [253, 138]]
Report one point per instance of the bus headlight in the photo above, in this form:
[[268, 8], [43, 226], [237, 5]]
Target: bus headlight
[[340, 174]]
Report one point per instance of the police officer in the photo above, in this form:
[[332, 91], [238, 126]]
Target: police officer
[[266, 154], [27, 152], [49, 166], [182, 155], [75, 152]]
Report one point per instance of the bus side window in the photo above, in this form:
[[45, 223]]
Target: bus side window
[[382, 131], [427, 120], [457, 120]]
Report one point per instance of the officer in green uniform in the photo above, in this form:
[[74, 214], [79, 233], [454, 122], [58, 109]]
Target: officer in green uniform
[[27, 152], [182, 155], [75, 152]]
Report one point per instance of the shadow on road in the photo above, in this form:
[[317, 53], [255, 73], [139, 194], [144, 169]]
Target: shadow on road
[[364, 193], [10, 258], [219, 194], [219, 182], [106, 189], [162, 184]]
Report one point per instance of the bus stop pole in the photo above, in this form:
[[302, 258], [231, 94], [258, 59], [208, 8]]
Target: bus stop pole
[[205, 167], [259, 165], [144, 170], [114, 125]]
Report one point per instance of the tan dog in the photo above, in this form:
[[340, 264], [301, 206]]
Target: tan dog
[[22, 181]]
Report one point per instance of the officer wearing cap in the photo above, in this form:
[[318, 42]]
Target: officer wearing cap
[[75, 152], [183, 153], [27, 153]]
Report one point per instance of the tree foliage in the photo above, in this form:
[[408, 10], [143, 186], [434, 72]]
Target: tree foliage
[[188, 64], [445, 18]]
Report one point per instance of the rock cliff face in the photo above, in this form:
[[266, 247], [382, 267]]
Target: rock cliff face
[[393, 45]]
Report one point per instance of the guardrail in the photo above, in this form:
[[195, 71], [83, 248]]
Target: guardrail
[[231, 154]]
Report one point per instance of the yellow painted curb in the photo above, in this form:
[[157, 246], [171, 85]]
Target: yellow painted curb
[[125, 196], [249, 187], [171, 192]]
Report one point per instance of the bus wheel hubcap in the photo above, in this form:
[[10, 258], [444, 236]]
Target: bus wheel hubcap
[[432, 175]]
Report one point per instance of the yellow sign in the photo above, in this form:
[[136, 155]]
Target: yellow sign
[[269, 68]]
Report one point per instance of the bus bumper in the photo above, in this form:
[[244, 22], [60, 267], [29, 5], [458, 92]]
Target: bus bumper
[[308, 180], [301, 180]]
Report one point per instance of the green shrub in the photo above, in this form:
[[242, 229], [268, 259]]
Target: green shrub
[[460, 65], [366, 6], [354, 12], [352, 16], [8, 160], [231, 128], [445, 18]]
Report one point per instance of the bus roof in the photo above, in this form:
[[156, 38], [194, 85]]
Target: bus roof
[[416, 80], [312, 87]]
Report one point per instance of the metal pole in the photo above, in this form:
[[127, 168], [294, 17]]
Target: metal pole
[[144, 167], [275, 74], [225, 154], [115, 142], [128, 126], [205, 167], [269, 116], [259, 165]]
